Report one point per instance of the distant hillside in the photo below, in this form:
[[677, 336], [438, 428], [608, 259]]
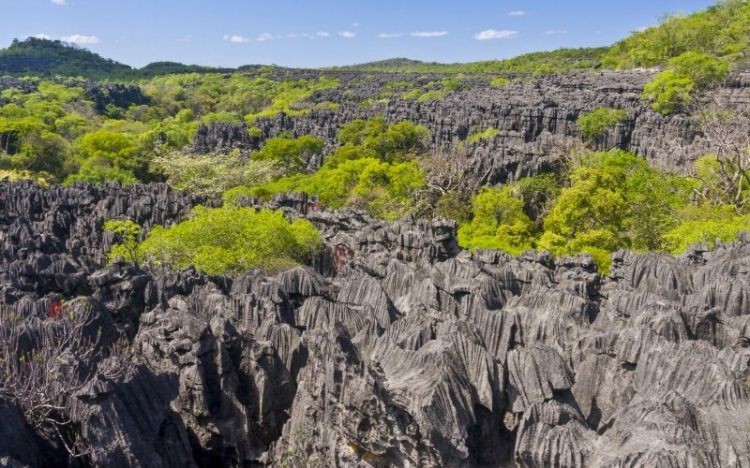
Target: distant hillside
[[170, 68], [42, 57], [538, 62]]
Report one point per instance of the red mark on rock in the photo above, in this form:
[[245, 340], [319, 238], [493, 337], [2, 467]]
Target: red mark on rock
[[55, 310]]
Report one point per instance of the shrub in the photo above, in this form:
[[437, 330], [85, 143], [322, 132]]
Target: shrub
[[126, 240], [487, 134], [594, 124], [705, 224], [705, 70], [669, 92], [231, 240], [498, 222], [292, 154], [211, 175], [499, 82]]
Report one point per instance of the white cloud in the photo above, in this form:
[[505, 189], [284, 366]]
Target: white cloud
[[641, 29], [389, 35], [42, 36], [236, 39], [495, 34], [263, 37], [355, 25], [517, 13], [555, 32], [81, 39], [322, 34], [58, 2], [348, 34], [291, 36], [429, 33]]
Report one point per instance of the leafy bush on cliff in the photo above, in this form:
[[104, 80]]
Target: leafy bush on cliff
[[606, 201], [594, 124], [231, 240]]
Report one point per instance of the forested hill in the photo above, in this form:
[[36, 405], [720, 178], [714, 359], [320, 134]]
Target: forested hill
[[44, 58]]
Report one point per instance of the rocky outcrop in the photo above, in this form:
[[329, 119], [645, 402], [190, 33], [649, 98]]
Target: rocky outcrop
[[223, 137], [536, 117], [399, 350]]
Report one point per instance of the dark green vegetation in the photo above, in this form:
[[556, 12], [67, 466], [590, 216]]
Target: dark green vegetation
[[47, 58], [556, 61]]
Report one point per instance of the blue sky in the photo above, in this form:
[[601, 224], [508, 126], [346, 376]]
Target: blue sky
[[328, 32]]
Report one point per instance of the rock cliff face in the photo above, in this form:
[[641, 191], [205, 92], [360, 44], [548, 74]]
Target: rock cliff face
[[536, 118], [395, 348]]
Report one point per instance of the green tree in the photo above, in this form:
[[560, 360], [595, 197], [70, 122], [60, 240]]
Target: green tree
[[595, 124], [292, 154], [126, 234], [669, 92], [498, 222], [232, 240]]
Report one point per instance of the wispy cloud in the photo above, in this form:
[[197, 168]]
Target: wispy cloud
[[488, 34], [555, 32], [291, 36], [236, 38], [641, 29], [42, 36], [263, 37], [389, 35], [429, 33], [58, 2], [81, 39], [517, 13], [348, 34], [355, 25]]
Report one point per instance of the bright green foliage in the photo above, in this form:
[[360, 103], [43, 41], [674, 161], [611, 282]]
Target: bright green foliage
[[290, 97], [620, 198], [388, 142], [107, 155], [673, 88], [499, 222], [610, 200], [487, 134], [499, 82], [126, 240], [383, 189], [538, 194], [212, 175], [14, 175], [705, 224], [669, 92], [594, 124], [290, 153], [722, 30], [372, 170], [705, 70], [232, 240]]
